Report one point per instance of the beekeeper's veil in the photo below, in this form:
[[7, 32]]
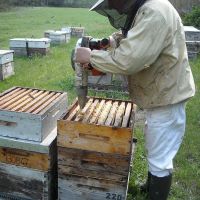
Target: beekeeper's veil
[[119, 20]]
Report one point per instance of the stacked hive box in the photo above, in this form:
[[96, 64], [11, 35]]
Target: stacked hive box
[[57, 37], [77, 31], [67, 30], [28, 154], [6, 64], [28, 170], [30, 46], [100, 81], [47, 33], [192, 41], [95, 150], [108, 81]]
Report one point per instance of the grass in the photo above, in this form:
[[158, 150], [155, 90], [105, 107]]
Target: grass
[[54, 72]]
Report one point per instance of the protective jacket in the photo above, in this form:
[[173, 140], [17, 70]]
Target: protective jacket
[[153, 56]]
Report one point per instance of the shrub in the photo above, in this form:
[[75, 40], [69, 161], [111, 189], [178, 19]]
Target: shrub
[[4, 5], [193, 18]]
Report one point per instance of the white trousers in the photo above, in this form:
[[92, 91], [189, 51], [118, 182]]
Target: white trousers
[[164, 131]]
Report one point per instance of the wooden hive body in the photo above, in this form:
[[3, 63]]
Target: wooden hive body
[[6, 56], [103, 80], [6, 64], [47, 33], [67, 30], [22, 108], [30, 46], [28, 170], [95, 150], [193, 48], [191, 33], [77, 32], [58, 37]]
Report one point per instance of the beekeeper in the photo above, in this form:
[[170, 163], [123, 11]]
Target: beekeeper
[[151, 51]]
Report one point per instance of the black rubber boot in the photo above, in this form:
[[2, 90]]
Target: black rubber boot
[[144, 188], [159, 187]]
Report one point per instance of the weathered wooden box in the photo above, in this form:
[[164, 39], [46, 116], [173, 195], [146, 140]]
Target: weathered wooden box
[[67, 30], [192, 33], [47, 33], [6, 70], [28, 170], [77, 32], [6, 56], [93, 164], [103, 80], [193, 46], [85, 188], [58, 37], [104, 121], [38, 46], [193, 55], [30, 114], [95, 148], [30, 46], [6, 64]]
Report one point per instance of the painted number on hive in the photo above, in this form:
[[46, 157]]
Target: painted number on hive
[[113, 196], [17, 160]]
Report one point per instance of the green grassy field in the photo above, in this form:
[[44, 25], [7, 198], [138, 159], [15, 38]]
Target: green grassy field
[[54, 72]]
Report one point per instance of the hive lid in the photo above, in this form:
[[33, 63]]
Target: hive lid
[[31, 39], [3, 52], [58, 33], [38, 40], [191, 29]]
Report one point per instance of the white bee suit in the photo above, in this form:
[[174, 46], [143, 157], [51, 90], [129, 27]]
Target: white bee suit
[[153, 56], [164, 131]]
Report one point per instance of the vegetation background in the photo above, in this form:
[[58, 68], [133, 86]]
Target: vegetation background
[[54, 72], [182, 6]]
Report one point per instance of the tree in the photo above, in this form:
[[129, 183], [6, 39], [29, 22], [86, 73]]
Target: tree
[[4, 5]]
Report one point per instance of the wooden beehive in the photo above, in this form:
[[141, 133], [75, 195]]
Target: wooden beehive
[[86, 188], [30, 46], [47, 33], [193, 48], [95, 148], [6, 64], [28, 170], [192, 33], [67, 30], [58, 37], [30, 114], [102, 80], [77, 31], [193, 55]]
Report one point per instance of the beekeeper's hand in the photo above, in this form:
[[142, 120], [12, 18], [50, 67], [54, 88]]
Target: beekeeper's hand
[[82, 55], [115, 39]]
